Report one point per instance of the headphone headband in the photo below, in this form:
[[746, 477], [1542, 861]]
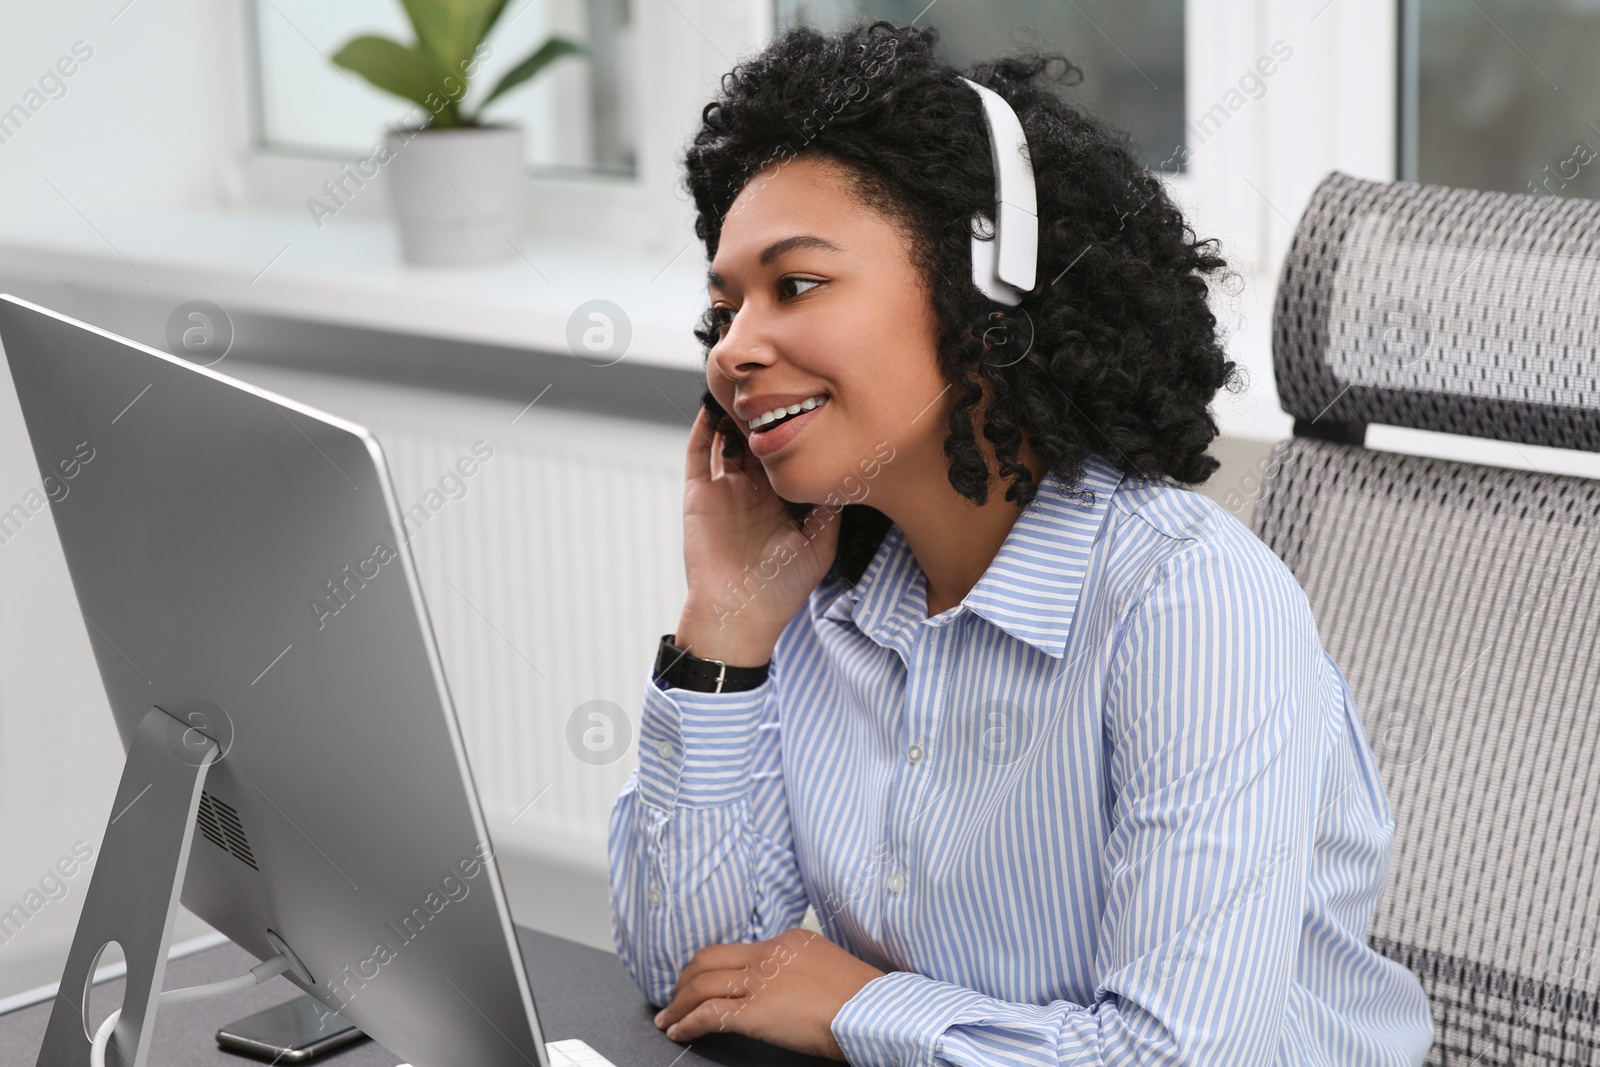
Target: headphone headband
[[1005, 267]]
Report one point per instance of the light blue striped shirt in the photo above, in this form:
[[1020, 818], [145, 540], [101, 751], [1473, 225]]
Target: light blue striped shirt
[[1116, 806]]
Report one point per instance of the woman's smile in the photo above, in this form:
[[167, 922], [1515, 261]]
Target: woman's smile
[[772, 436]]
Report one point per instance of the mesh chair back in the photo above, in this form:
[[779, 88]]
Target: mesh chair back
[[1460, 600], [1443, 309]]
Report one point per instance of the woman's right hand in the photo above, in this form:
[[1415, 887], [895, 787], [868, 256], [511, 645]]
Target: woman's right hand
[[736, 532]]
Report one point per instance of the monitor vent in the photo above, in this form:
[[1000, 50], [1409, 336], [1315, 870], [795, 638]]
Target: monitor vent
[[221, 825]]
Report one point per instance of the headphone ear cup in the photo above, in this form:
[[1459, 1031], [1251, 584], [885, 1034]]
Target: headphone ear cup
[[985, 255]]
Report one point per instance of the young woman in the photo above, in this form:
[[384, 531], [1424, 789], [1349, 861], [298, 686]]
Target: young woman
[[1046, 738]]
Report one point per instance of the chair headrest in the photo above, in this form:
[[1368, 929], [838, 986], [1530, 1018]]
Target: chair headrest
[[1455, 310]]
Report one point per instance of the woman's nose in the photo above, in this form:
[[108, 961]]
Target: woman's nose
[[746, 346]]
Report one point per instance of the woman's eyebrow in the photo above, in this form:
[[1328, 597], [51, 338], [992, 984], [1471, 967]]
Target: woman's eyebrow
[[799, 240], [778, 248]]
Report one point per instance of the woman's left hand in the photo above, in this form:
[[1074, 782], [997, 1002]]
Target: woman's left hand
[[785, 991]]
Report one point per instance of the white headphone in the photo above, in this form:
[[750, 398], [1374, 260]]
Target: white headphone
[[1004, 265]]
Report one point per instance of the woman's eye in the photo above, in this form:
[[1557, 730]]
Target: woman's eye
[[786, 286], [722, 318]]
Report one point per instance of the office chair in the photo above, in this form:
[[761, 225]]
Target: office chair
[[1462, 601]]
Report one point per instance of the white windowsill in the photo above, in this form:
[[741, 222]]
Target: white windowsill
[[349, 273]]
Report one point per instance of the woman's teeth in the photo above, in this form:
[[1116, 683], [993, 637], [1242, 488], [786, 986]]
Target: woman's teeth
[[793, 409]]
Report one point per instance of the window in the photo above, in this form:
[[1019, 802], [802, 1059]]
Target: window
[[577, 114], [1130, 51], [1501, 95]]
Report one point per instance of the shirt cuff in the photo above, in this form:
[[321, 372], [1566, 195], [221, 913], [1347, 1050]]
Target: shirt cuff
[[696, 748], [896, 1019]]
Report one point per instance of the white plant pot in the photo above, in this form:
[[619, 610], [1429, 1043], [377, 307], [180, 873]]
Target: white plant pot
[[457, 193]]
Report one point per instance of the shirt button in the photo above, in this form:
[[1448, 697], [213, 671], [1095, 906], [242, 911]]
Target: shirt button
[[655, 897], [897, 882], [665, 749], [914, 753]]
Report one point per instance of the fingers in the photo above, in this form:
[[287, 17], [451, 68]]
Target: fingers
[[697, 466], [705, 462], [710, 1016], [729, 988], [724, 986]]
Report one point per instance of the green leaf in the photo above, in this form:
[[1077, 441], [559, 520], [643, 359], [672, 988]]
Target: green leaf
[[430, 19], [390, 66], [451, 30], [543, 56], [492, 16]]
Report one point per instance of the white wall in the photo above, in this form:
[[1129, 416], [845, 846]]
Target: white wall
[[147, 120]]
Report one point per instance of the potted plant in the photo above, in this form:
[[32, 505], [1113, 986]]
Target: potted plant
[[456, 183]]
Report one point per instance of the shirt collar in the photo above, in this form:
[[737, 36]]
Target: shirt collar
[[1031, 587]]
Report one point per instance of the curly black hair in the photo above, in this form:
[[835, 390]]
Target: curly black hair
[[1123, 354]]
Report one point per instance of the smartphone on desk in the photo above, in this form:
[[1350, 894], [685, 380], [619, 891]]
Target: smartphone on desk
[[296, 1031]]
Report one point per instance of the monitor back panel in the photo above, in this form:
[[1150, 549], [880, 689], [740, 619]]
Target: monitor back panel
[[235, 559]]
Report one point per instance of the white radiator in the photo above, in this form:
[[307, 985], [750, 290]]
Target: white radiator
[[550, 573]]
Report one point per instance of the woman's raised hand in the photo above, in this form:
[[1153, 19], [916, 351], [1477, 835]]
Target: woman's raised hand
[[749, 568]]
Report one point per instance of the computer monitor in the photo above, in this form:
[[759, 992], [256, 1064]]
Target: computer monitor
[[261, 633]]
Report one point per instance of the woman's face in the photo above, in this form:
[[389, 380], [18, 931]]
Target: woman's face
[[817, 296]]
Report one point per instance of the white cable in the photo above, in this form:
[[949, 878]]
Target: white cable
[[255, 976]]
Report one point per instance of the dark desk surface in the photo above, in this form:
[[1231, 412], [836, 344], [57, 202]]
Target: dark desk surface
[[578, 991]]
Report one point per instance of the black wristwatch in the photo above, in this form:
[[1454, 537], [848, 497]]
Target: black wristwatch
[[677, 669]]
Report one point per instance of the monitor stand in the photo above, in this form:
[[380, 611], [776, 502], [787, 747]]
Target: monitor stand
[[133, 895]]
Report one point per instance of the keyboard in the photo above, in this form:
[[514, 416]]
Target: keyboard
[[569, 1053], [574, 1053]]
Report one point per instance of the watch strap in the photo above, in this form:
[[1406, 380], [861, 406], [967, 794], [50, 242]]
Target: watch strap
[[678, 669]]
